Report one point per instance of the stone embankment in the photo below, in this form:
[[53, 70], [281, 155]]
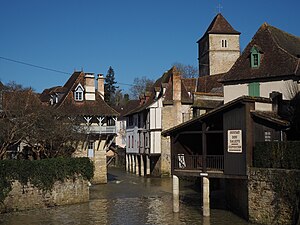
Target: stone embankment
[[273, 196], [25, 197]]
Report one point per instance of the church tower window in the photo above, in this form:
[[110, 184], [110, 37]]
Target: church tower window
[[224, 43]]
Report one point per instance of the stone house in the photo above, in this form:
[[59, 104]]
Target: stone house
[[218, 49], [270, 62], [80, 98]]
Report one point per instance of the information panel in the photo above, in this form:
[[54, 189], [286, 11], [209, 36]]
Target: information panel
[[235, 141]]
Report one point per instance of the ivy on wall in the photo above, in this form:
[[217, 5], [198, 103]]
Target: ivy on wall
[[42, 173], [283, 155]]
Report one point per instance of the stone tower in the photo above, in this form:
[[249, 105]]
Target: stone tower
[[218, 48]]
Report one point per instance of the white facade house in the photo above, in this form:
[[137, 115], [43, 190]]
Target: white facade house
[[269, 63]]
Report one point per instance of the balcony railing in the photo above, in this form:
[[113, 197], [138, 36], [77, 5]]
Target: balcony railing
[[99, 129], [195, 162]]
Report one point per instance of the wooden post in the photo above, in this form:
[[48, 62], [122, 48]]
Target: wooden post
[[205, 196], [137, 165], [148, 165], [204, 147], [130, 163], [133, 163], [175, 194], [142, 166], [126, 163]]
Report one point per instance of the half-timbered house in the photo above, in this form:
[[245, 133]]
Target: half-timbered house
[[80, 98]]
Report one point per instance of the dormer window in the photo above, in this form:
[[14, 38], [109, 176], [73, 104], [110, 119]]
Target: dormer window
[[255, 57], [78, 93]]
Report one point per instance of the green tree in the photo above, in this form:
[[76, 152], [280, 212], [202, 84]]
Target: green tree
[[110, 87]]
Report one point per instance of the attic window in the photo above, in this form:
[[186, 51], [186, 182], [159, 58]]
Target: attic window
[[78, 93], [255, 57]]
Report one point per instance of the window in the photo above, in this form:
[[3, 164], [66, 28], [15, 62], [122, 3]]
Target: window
[[132, 144], [91, 149], [255, 57], [128, 141], [78, 94], [130, 120], [254, 89], [267, 136], [224, 43]]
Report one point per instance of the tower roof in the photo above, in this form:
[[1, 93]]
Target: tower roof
[[220, 25]]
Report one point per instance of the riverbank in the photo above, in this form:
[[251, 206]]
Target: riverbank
[[128, 199]]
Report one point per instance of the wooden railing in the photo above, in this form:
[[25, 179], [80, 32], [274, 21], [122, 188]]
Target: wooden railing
[[195, 162]]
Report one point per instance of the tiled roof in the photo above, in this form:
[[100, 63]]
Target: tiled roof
[[222, 108], [271, 117], [165, 81], [70, 106], [190, 84], [210, 83], [45, 95], [123, 110], [220, 25], [280, 53], [97, 107], [207, 104]]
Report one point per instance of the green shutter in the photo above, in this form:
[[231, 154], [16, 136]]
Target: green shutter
[[253, 89]]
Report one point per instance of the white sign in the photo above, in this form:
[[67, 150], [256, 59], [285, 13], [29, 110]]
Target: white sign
[[235, 141]]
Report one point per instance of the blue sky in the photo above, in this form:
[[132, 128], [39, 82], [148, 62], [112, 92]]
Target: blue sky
[[136, 37]]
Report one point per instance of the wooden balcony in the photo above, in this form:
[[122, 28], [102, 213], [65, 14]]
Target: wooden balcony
[[195, 162], [93, 129]]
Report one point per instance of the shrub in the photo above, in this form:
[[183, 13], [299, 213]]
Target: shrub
[[284, 155], [42, 173]]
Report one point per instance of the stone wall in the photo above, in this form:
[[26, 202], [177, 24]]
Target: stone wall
[[171, 116], [29, 197], [99, 160], [272, 199]]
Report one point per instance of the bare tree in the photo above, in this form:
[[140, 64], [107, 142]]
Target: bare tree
[[186, 71], [45, 131], [140, 85]]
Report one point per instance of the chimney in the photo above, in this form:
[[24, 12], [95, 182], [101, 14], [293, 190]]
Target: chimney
[[100, 85], [276, 98], [89, 86], [176, 85]]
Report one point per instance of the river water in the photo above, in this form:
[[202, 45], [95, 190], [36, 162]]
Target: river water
[[130, 200]]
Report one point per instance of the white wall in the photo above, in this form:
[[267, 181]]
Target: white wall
[[232, 92], [155, 142]]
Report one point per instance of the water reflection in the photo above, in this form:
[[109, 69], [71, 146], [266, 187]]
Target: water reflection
[[127, 199]]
